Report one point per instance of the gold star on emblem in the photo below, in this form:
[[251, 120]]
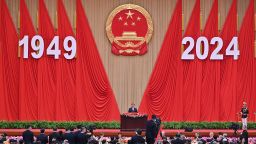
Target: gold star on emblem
[[120, 18], [129, 14], [133, 23], [125, 23], [138, 18]]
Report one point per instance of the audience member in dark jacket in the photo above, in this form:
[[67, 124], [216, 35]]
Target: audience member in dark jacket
[[61, 136], [69, 136], [82, 137], [42, 137], [78, 130], [28, 136], [54, 135], [137, 139], [3, 138]]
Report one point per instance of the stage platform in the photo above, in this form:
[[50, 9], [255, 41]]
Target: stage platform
[[114, 132]]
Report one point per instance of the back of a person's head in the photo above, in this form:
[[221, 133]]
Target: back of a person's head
[[21, 141], [42, 130], [78, 127], [29, 127], [139, 131], [177, 135], [153, 116], [54, 129], [60, 132]]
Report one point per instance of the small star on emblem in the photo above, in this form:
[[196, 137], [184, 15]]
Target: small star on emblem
[[133, 23], [138, 18], [120, 18], [125, 23], [129, 14]]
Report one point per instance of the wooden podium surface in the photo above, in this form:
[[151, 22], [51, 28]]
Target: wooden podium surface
[[133, 121]]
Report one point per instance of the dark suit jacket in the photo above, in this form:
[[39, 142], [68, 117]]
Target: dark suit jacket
[[132, 110], [55, 135], [151, 129], [178, 141], [82, 138], [137, 140], [28, 137], [76, 134], [42, 138], [70, 137]]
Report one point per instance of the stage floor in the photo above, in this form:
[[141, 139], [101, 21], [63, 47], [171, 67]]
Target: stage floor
[[114, 132]]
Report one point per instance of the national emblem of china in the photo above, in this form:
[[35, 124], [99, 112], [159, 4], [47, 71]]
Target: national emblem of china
[[129, 29]]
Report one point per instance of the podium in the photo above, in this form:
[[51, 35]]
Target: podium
[[133, 121]]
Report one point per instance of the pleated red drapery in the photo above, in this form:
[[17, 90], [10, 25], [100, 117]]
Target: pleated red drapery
[[46, 69], [66, 72], [9, 62], [163, 93], [95, 98], [192, 71], [28, 71], [246, 61], [210, 71], [228, 69]]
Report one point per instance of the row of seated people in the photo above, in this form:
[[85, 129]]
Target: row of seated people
[[83, 136]]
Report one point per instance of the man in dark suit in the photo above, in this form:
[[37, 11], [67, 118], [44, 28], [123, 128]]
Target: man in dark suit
[[42, 137], [82, 137], [151, 130], [78, 130], [132, 108], [54, 135], [28, 136], [178, 140], [69, 136], [137, 139]]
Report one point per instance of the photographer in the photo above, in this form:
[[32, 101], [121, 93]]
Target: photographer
[[152, 129]]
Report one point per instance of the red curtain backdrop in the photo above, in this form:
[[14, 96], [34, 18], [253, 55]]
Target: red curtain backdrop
[[228, 69], [10, 64], [2, 103], [28, 71], [246, 61], [66, 72], [163, 93], [95, 98], [210, 72], [46, 69], [192, 71]]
